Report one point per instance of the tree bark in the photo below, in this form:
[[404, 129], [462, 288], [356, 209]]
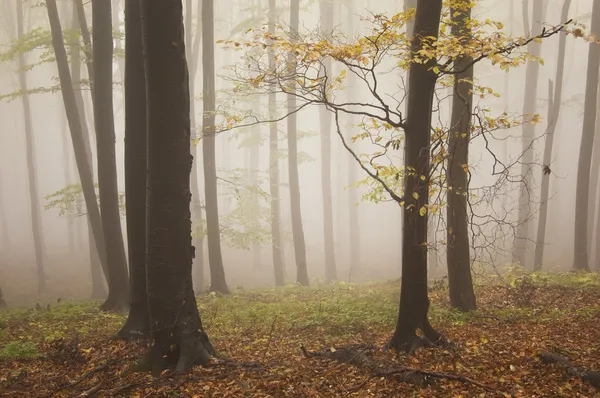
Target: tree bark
[[176, 328], [460, 281], [66, 154], [218, 282], [192, 46], [326, 11], [3, 223], [292, 139], [137, 324], [75, 127], [34, 203], [116, 23], [555, 96], [414, 301], [581, 260], [529, 108], [593, 203], [276, 243], [118, 286]]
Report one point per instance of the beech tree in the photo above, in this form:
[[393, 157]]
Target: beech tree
[[137, 324], [118, 292], [176, 328]]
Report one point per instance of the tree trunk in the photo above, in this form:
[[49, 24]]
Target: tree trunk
[[193, 49], [98, 263], [34, 203], [414, 301], [580, 260], [177, 332], [137, 324], [276, 243], [593, 203], [75, 127], [353, 198], [529, 108], [215, 258], [555, 97], [66, 154], [116, 23], [118, 286], [3, 223], [326, 11], [460, 281], [292, 139], [2, 302]]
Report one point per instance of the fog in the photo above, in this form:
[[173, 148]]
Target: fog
[[67, 262]]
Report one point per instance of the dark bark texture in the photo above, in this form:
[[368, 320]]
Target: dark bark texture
[[137, 324], [75, 127], [118, 286], [292, 140], [176, 328], [582, 194], [460, 281], [274, 167], [218, 282], [414, 301], [34, 200]]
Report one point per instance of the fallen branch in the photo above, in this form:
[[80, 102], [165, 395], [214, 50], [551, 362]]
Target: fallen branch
[[85, 376], [589, 376]]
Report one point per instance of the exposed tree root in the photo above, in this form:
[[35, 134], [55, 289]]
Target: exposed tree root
[[136, 326], [356, 356], [84, 377], [589, 376]]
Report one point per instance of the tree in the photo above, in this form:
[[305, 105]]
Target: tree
[[215, 258], [326, 8], [581, 260], [34, 204], [75, 127], [555, 97], [118, 287], [137, 324], [276, 242], [529, 107], [460, 282], [2, 302], [292, 140], [176, 327], [193, 50]]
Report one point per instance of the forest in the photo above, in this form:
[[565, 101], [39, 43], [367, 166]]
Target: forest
[[299, 198]]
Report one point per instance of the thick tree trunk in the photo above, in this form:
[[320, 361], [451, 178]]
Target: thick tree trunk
[[581, 260], [276, 243], [460, 281], [292, 139], [34, 200], [75, 127], [176, 327], [529, 108], [215, 258], [353, 220], [192, 46], [98, 263], [414, 301], [326, 10], [137, 324], [118, 286]]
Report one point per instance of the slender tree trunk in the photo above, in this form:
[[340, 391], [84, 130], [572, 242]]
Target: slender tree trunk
[[593, 203], [353, 220], [118, 286], [75, 127], [292, 138], [326, 10], [276, 244], [215, 258], [460, 281], [414, 301], [192, 46], [3, 223], [2, 301], [98, 263], [34, 204], [66, 154], [581, 260], [177, 331], [529, 108], [555, 97], [116, 23], [137, 324]]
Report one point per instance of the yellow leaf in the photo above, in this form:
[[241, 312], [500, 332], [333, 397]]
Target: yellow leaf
[[415, 195], [196, 141], [423, 211]]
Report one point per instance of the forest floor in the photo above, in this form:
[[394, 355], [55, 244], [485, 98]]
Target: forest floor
[[66, 349]]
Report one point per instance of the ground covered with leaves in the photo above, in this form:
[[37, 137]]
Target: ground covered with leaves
[[67, 349]]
